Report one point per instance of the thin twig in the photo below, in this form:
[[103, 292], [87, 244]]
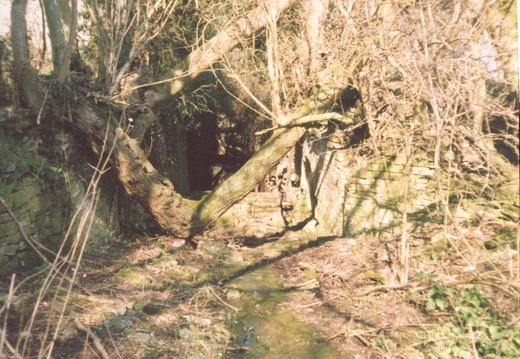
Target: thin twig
[[3, 339], [379, 288], [309, 119], [367, 291], [112, 341], [13, 350], [41, 108], [22, 232], [30, 241], [222, 301], [355, 334], [304, 284], [95, 338]]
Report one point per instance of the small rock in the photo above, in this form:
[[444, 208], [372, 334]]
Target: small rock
[[186, 333], [68, 332], [8, 250], [503, 255], [198, 321], [152, 308], [271, 252], [141, 337], [233, 295], [119, 308], [236, 257], [120, 322], [177, 243]]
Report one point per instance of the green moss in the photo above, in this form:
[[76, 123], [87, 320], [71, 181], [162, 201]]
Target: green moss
[[376, 277], [180, 275], [204, 275], [131, 277], [505, 236], [17, 161]]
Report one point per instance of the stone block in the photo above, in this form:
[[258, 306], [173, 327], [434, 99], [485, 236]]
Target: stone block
[[5, 218], [10, 233], [28, 260], [8, 249], [8, 264], [23, 192]]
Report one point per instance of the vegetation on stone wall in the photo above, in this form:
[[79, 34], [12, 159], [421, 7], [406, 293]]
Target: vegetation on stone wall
[[394, 122], [20, 160]]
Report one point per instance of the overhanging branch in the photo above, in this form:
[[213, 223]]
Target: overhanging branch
[[211, 52], [203, 58], [310, 119]]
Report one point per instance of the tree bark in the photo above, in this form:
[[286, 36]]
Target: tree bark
[[176, 215], [173, 213], [64, 65], [56, 33], [137, 175], [24, 73], [238, 185], [202, 58]]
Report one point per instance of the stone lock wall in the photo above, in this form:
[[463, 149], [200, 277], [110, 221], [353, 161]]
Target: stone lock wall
[[356, 195], [381, 191], [44, 212], [325, 173], [34, 210]]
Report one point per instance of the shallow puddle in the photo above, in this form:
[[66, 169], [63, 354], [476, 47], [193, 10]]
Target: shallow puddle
[[262, 330]]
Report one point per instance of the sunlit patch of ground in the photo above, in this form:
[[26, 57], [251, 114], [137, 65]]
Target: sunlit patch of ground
[[158, 298]]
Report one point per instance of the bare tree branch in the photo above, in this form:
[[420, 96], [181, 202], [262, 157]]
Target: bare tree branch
[[210, 52], [202, 58]]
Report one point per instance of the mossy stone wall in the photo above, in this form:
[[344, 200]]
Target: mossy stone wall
[[44, 210], [355, 195]]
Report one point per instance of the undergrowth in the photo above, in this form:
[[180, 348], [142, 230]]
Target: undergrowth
[[473, 327], [17, 161]]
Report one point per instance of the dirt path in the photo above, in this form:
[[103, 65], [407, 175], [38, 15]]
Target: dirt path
[[158, 298]]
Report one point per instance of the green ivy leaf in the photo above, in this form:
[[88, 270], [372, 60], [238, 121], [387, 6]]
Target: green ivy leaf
[[441, 303], [430, 305]]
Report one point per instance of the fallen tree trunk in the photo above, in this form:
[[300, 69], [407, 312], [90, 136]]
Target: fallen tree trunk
[[238, 185], [174, 214], [139, 178]]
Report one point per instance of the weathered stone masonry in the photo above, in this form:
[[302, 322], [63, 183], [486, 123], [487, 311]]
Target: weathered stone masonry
[[44, 215], [355, 195]]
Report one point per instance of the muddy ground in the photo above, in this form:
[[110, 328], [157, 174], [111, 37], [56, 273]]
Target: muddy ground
[[157, 297]]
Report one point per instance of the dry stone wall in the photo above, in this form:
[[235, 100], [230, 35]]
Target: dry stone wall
[[355, 195], [44, 212], [382, 190]]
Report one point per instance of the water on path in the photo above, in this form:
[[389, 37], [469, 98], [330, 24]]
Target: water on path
[[263, 330]]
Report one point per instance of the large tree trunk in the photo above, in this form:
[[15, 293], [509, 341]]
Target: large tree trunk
[[176, 215], [24, 74], [234, 188], [237, 186], [139, 178]]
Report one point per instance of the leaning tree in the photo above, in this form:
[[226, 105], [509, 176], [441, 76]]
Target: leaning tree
[[437, 73]]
